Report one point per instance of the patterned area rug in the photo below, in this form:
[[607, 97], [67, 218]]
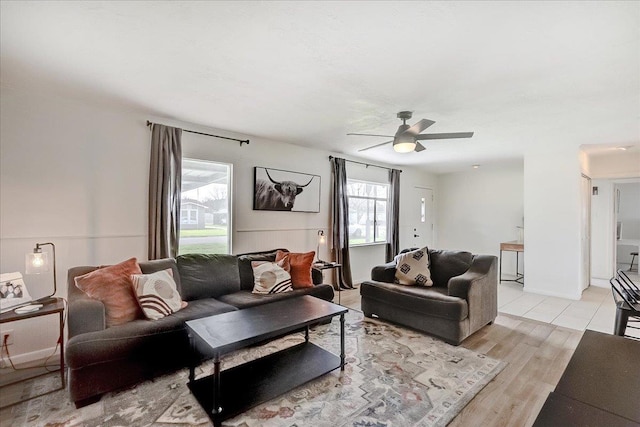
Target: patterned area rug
[[394, 377]]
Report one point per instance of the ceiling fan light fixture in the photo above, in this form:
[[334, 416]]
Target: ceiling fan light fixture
[[404, 147], [403, 144]]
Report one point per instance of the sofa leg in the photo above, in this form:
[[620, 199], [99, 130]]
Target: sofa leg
[[88, 401]]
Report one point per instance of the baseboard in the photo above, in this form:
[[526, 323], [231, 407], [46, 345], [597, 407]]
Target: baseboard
[[19, 359], [573, 296], [600, 283]]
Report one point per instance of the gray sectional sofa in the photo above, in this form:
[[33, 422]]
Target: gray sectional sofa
[[462, 300], [101, 359]]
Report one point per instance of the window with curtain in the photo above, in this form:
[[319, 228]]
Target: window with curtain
[[205, 214], [367, 212]]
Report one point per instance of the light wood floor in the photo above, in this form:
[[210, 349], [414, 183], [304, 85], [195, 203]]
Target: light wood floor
[[537, 354]]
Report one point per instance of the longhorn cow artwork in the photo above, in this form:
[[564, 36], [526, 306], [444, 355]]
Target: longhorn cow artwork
[[278, 190]]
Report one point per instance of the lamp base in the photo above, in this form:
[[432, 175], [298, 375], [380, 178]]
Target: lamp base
[[46, 300]]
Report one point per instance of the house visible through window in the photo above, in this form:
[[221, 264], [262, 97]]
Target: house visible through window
[[205, 207], [367, 212]]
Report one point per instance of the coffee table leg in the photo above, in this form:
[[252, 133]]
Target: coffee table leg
[[306, 334], [217, 409], [192, 364], [342, 342]]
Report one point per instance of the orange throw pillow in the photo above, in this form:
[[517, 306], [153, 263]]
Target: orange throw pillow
[[113, 286], [300, 267]]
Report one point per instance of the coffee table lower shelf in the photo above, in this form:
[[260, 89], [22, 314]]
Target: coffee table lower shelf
[[245, 386]]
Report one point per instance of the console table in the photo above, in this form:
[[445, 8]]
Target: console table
[[517, 247]]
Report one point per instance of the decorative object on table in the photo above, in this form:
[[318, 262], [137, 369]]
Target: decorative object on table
[[13, 292], [322, 241], [278, 190], [394, 376], [37, 262]]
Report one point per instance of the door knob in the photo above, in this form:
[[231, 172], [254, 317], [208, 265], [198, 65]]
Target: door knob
[[416, 235]]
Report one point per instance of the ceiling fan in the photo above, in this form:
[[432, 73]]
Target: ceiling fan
[[406, 138]]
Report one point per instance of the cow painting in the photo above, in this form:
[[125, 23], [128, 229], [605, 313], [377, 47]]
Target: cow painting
[[280, 195]]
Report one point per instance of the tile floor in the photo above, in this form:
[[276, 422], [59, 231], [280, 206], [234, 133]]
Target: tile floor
[[596, 310]]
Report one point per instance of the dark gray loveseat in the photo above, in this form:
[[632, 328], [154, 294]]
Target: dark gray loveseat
[[101, 359], [462, 300]]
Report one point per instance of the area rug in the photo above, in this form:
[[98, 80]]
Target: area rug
[[394, 377]]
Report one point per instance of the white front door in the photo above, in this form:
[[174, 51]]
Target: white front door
[[421, 218], [585, 233]]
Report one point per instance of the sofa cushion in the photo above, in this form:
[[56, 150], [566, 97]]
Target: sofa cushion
[[430, 301], [140, 339], [300, 267], [271, 277], [244, 299], [113, 287], [208, 275], [157, 294], [448, 264], [412, 268]]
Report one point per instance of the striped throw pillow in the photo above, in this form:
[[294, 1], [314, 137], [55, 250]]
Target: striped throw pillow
[[270, 277], [157, 294]]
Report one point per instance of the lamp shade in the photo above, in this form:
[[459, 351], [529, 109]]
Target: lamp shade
[[36, 263], [404, 144]]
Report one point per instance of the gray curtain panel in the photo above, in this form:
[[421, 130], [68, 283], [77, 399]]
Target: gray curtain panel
[[165, 181], [340, 219], [393, 215]]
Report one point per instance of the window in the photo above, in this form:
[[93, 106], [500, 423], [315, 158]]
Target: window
[[205, 208], [367, 212]]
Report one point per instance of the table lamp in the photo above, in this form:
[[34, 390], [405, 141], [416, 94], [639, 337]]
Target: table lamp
[[37, 262], [322, 240]]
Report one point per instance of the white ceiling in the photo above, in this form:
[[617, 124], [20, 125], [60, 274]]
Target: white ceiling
[[515, 73]]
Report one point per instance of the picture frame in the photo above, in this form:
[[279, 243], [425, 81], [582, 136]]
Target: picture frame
[[288, 191], [13, 291]]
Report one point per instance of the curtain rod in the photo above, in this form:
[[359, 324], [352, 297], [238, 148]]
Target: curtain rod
[[241, 141], [366, 164]]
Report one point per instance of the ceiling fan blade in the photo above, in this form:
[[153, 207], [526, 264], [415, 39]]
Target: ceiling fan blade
[[445, 135], [370, 134], [419, 147], [374, 146], [419, 127]]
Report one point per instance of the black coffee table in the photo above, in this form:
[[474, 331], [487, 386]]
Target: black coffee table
[[231, 392]]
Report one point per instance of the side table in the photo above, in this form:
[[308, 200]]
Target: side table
[[517, 247], [331, 266], [53, 307]]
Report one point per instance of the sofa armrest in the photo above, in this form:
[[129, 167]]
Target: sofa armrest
[[86, 315], [480, 273], [384, 273]]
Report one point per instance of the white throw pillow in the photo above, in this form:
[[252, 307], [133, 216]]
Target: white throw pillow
[[412, 268], [157, 293], [270, 277]]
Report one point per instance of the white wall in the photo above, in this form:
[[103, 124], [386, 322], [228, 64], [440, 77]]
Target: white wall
[[75, 173], [552, 205], [480, 208]]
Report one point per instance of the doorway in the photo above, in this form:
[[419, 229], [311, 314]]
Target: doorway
[[420, 218]]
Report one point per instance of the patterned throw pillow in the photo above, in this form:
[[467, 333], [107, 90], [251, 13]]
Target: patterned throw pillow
[[112, 286], [157, 294], [412, 268], [270, 277]]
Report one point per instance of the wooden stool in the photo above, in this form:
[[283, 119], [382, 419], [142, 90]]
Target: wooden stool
[[633, 258]]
